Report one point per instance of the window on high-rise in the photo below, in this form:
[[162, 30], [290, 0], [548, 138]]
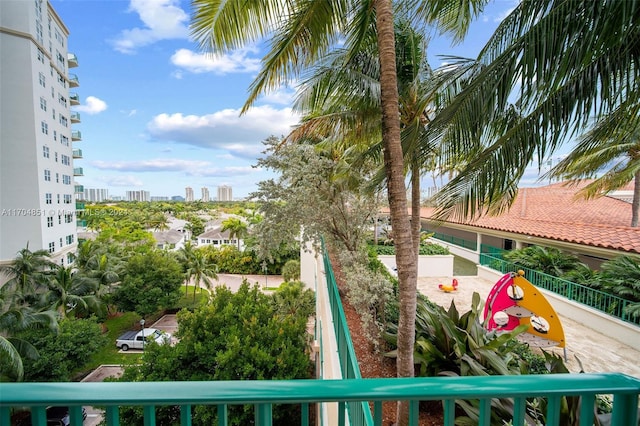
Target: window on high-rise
[[50, 222], [42, 79], [45, 127], [43, 104], [67, 198], [65, 159], [52, 247], [70, 239], [66, 179], [47, 175], [45, 151], [68, 218], [47, 198]]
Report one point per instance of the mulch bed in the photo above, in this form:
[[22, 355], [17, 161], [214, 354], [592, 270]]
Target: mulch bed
[[374, 364]]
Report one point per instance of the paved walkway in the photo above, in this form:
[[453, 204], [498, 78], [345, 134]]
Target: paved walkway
[[597, 352]]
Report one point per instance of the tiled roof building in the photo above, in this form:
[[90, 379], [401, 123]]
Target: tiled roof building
[[554, 214]]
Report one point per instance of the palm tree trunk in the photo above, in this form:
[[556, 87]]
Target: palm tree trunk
[[635, 203], [396, 192], [415, 208]]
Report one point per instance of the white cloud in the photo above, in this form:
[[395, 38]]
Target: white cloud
[[162, 19], [92, 106], [155, 165], [121, 180], [226, 130], [237, 61]]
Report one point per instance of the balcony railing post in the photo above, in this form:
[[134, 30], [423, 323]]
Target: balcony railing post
[[263, 415]]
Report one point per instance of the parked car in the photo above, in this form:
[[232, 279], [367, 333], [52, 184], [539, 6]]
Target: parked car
[[137, 339]]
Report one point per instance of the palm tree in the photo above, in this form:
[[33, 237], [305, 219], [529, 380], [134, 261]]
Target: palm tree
[[550, 69], [16, 317], [301, 33], [237, 228], [72, 293], [605, 145], [28, 273], [198, 267], [344, 92]]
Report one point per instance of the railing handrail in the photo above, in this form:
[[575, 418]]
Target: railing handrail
[[313, 390]]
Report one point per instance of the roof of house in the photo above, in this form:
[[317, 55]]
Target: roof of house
[[215, 234], [171, 236], [553, 212]]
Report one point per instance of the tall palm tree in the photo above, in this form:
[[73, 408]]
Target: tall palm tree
[[551, 68], [237, 228], [301, 33], [198, 267], [344, 92], [605, 146]]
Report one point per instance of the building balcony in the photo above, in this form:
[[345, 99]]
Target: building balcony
[[81, 223], [344, 395], [75, 117], [79, 205], [74, 99], [72, 60], [73, 80], [77, 171], [77, 153], [79, 189], [76, 135]]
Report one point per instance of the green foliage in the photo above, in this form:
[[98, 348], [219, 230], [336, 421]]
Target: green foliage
[[452, 344], [426, 249], [291, 270], [621, 276], [291, 298], [368, 292], [230, 260], [549, 260], [236, 336], [151, 282], [62, 353]]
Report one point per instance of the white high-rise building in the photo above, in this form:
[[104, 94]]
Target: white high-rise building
[[205, 194], [37, 187], [225, 193], [138, 196], [96, 195], [188, 196]]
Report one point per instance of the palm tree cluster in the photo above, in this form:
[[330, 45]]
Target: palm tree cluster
[[552, 69], [37, 293]]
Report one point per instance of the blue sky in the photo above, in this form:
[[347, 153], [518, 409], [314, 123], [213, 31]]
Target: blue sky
[[158, 115]]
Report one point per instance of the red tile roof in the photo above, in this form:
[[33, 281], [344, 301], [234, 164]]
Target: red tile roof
[[553, 212]]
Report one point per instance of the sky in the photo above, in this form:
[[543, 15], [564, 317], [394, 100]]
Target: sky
[[158, 115]]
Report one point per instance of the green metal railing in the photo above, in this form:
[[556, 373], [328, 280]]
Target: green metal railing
[[264, 394], [359, 411], [460, 242], [604, 302]]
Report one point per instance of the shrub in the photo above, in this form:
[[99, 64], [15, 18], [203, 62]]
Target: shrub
[[236, 336], [291, 270]]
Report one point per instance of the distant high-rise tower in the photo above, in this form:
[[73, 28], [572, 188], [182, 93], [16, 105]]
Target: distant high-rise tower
[[205, 194], [138, 196], [225, 193], [37, 174], [96, 195], [188, 194]]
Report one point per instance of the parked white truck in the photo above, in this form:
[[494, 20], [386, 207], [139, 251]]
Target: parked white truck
[[137, 339]]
